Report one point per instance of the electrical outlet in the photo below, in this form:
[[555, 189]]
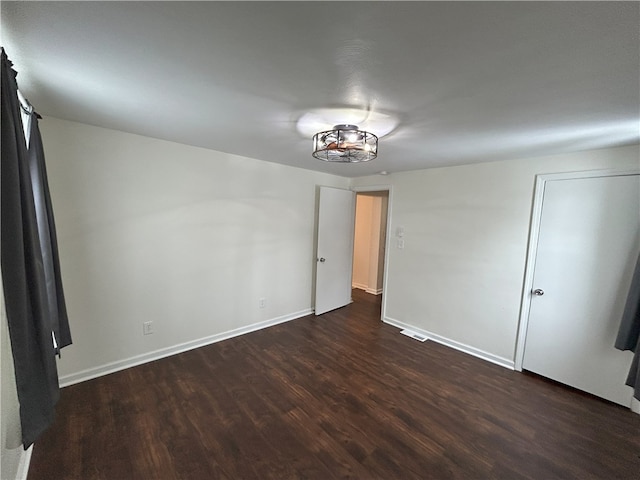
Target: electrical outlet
[[262, 302], [401, 243], [147, 328]]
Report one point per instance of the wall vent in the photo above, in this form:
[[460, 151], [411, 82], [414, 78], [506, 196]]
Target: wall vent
[[414, 335]]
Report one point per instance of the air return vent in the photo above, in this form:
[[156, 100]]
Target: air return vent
[[414, 335]]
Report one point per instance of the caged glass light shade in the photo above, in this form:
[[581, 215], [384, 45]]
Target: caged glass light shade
[[346, 144]]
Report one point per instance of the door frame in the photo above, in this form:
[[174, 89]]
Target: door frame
[[387, 242], [532, 248]]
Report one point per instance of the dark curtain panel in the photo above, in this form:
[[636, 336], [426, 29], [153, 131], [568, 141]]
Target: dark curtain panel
[[629, 333], [36, 311]]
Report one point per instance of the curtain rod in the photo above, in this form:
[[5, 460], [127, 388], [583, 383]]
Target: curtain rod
[[24, 103], [26, 106]]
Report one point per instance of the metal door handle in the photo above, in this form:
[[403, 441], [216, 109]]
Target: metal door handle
[[321, 259], [538, 291]]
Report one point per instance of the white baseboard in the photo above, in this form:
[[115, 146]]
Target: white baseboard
[[476, 352], [366, 288], [112, 367], [23, 466]]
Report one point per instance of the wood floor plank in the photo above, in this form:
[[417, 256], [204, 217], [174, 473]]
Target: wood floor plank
[[341, 395]]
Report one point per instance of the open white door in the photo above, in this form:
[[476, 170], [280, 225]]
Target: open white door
[[336, 218]]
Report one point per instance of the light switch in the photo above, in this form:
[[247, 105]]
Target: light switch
[[400, 231]]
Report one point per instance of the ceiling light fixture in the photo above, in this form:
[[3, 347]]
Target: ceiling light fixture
[[345, 144]]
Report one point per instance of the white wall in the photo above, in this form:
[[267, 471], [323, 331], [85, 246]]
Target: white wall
[[369, 238], [380, 238], [13, 459], [362, 242], [460, 275], [188, 238]]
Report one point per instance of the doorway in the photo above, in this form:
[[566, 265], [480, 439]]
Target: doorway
[[369, 246]]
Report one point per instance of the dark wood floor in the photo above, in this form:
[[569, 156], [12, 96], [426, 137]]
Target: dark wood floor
[[338, 396]]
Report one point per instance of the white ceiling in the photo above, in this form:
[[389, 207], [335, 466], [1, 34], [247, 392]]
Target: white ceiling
[[467, 81]]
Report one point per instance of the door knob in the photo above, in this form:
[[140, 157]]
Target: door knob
[[538, 291], [321, 260]]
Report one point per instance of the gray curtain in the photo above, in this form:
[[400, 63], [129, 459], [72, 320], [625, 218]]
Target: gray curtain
[[35, 306], [629, 332]]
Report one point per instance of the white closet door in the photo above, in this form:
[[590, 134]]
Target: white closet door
[[587, 246]]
